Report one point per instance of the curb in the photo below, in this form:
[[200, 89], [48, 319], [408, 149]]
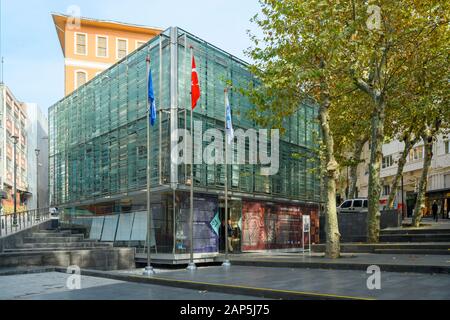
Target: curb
[[428, 269]]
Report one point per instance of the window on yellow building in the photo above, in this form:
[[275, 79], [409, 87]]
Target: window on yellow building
[[81, 43], [122, 48], [80, 78], [139, 44], [102, 46]]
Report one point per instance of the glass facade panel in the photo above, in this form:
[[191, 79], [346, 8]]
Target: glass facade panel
[[98, 143]]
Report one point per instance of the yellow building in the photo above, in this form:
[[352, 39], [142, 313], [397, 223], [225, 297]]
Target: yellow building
[[91, 46]]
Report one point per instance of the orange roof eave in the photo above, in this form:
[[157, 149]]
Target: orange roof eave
[[60, 25], [60, 21]]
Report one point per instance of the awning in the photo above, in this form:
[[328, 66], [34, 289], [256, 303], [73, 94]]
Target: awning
[[446, 190]]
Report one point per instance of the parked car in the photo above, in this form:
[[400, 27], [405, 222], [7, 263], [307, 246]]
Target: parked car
[[353, 205]]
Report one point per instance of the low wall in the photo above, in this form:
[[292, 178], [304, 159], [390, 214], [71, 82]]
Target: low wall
[[353, 226], [15, 239], [100, 259]]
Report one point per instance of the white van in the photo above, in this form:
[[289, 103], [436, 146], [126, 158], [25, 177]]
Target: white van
[[353, 205]]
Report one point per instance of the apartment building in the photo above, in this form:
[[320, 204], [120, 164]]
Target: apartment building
[[438, 187], [91, 46], [13, 122]]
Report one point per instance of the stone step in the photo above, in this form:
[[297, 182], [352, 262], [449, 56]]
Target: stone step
[[370, 248], [100, 259], [51, 231], [51, 249], [54, 235], [53, 239], [414, 231], [67, 245], [414, 251], [429, 237]]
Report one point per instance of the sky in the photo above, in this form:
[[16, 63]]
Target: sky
[[33, 59]]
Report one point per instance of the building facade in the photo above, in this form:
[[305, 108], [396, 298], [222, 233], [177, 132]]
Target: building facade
[[13, 122], [438, 185], [98, 157], [91, 46], [37, 174]]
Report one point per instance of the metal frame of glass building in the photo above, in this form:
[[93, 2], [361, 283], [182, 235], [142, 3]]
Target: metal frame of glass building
[[98, 156]]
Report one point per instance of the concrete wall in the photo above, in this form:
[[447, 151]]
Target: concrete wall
[[353, 226]]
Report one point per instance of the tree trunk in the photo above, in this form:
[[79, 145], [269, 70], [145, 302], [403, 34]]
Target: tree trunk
[[418, 213], [376, 156], [331, 221], [401, 164], [359, 144]]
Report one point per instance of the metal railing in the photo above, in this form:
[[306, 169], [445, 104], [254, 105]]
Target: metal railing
[[10, 223]]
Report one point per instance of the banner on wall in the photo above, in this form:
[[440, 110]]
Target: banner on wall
[[267, 226], [215, 223]]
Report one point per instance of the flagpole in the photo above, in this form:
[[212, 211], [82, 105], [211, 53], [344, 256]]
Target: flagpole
[[192, 265], [148, 269], [226, 263]]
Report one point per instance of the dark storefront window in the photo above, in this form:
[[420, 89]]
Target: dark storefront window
[[276, 226]]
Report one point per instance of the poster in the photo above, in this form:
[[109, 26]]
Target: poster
[[277, 226], [306, 223]]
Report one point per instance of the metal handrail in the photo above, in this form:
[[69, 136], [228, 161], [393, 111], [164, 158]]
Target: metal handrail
[[11, 223]]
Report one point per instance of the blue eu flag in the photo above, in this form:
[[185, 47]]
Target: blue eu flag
[[151, 99]]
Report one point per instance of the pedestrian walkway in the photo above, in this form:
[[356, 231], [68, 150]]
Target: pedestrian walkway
[[319, 283], [234, 282], [427, 223], [291, 283], [53, 286], [360, 261]]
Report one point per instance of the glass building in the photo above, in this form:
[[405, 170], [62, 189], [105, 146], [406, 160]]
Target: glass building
[[98, 157]]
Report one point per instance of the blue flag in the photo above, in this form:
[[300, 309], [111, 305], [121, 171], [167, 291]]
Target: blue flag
[[151, 99], [229, 124]]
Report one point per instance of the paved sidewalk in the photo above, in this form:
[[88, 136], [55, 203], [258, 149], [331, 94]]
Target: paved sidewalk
[[357, 261], [52, 286], [428, 223], [315, 283]]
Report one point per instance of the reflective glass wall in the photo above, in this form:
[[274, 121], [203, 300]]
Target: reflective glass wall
[[98, 143]]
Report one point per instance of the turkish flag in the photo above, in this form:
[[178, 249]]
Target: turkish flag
[[195, 87]]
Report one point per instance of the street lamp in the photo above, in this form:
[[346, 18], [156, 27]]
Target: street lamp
[[15, 140], [38, 217]]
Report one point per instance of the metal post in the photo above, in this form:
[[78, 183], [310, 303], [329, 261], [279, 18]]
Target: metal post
[[309, 236], [192, 265], [403, 201], [226, 263], [15, 140], [38, 218], [303, 237], [148, 269]]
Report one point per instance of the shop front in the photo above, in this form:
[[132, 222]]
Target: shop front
[[442, 198], [268, 226]]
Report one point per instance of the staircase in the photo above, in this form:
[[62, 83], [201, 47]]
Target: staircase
[[63, 248], [415, 235], [402, 241]]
